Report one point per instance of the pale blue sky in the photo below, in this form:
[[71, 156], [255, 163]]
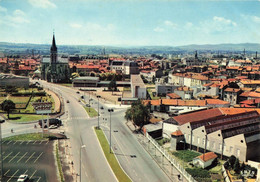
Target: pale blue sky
[[130, 22]]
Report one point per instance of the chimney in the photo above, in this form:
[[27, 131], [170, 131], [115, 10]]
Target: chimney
[[256, 54]]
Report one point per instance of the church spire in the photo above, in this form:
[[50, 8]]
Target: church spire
[[53, 46]]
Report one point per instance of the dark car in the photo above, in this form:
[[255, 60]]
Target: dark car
[[52, 121], [77, 92]]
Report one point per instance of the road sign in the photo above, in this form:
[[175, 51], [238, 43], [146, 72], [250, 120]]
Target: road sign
[[42, 107]]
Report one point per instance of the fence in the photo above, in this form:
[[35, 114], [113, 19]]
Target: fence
[[170, 159]]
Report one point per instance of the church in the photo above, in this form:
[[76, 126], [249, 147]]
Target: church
[[55, 69]]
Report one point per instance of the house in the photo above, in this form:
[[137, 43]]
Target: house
[[231, 95], [138, 88], [204, 160], [164, 89], [13, 80], [85, 81]]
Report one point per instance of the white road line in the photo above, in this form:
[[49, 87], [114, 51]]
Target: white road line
[[41, 142], [6, 172], [25, 171], [29, 157], [34, 141], [39, 179], [46, 142], [22, 157], [13, 175], [21, 143], [33, 174], [14, 157], [7, 155], [3, 141], [9, 142], [38, 157], [28, 142], [15, 142]]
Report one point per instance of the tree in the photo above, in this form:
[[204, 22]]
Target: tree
[[232, 160], [237, 166], [7, 106], [138, 113], [112, 85]]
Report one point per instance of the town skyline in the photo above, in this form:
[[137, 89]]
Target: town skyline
[[130, 23]]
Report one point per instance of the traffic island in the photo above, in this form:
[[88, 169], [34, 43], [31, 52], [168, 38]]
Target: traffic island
[[111, 158]]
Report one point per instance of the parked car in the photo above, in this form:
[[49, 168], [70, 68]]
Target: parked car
[[87, 105], [52, 121], [23, 177], [77, 92], [101, 107]]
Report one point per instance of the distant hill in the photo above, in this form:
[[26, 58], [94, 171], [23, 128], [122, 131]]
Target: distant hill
[[19, 48]]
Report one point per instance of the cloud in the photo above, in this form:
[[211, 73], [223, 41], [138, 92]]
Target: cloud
[[158, 29], [216, 25], [188, 25], [75, 25], [18, 12], [253, 18], [256, 18], [170, 24], [42, 4], [3, 9], [224, 21], [18, 17]]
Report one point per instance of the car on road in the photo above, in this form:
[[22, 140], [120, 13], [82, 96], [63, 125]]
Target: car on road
[[68, 101], [101, 107], [87, 105], [23, 177], [77, 92]]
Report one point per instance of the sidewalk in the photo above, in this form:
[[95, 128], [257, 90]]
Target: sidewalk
[[162, 162]]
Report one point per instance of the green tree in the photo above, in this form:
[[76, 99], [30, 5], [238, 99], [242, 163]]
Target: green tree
[[112, 85], [7, 106], [232, 160], [237, 166], [138, 113], [10, 89]]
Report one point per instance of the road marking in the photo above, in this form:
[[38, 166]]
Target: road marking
[[28, 142], [38, 157], [25, 171], [13, 175], [9, 142], [3, 141], [33, 174], [41, 142], [22, 157], [21, 143], [15, 142], [46, 142], [6, 172], [29, 157], [39, 179], [35, 142], [14, 157], [8, 155]]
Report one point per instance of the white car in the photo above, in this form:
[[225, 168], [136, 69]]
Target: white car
[[23, 177]]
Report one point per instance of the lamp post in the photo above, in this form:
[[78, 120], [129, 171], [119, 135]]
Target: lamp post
[[110, 110], [98, 96], [81, 147], [1, 121], [88, 101]]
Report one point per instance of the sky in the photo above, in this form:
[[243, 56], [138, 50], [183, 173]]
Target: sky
[[130, 22]]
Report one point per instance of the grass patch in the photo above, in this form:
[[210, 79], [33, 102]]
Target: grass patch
[[186, 155], [65, 84], [59, 164], [30, 136], [25, 117], [91, 111], [121, 176]]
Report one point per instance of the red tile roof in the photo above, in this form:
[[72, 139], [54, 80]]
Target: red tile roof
[[207, 156], [174, 96], [232, 90], [177, 133], [250, 94]]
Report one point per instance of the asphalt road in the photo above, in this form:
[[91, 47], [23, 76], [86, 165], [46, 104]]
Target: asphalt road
[[125, 143]]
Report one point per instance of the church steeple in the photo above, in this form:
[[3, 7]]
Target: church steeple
[[53, 51], [53, 46]]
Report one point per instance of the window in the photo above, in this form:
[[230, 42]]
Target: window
[[198, 140], [213, 144], [189, 137], [193, 139], [220, 147], [203, 141], [208, 144], [231, 149], [238, 152]]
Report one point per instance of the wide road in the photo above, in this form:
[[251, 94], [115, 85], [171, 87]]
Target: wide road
[[137, 163]]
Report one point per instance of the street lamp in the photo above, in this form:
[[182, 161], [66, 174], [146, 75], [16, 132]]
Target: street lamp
[[110, 110], [83, 146], [1, 121], [98, 96]]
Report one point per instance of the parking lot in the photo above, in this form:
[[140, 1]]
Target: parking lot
[[34, 158]]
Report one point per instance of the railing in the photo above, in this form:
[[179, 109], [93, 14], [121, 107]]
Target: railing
[[170, 159]]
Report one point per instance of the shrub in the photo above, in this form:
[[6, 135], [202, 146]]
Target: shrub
[[198, 172], [232, 160]]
